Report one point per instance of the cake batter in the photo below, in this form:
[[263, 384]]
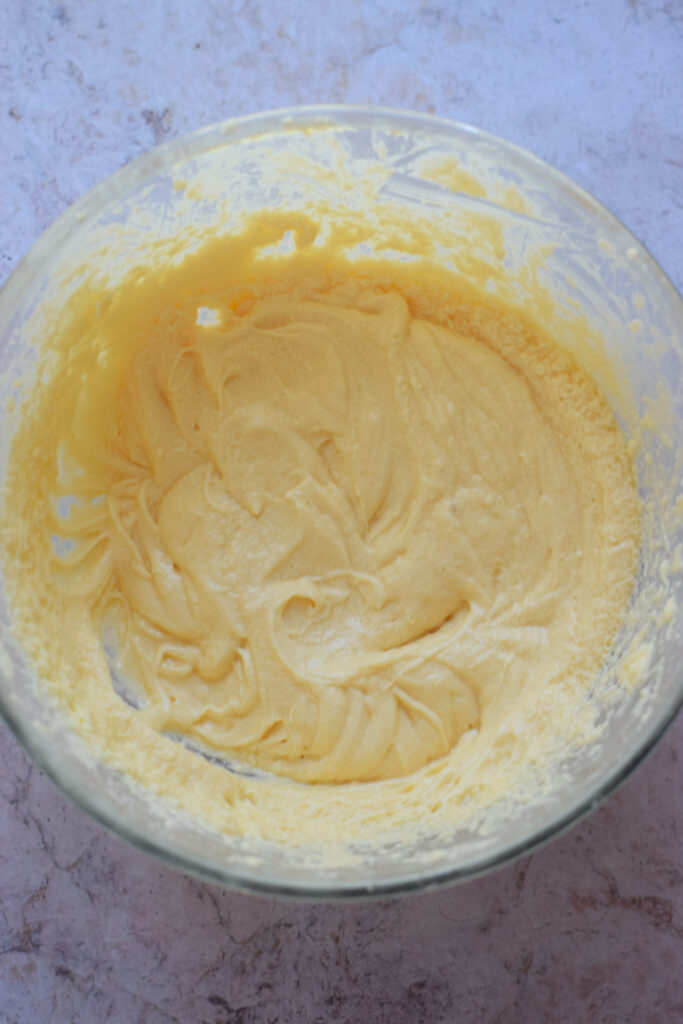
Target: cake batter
[[331, 523]]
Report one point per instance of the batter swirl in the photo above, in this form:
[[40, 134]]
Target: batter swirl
[[332, 537]]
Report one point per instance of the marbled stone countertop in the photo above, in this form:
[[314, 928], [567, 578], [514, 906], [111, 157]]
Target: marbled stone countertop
[[589, 928]]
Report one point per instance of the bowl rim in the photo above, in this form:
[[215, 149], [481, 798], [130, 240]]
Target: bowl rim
[[224, 133]]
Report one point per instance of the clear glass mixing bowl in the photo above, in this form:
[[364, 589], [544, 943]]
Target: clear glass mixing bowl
[[448, 173]]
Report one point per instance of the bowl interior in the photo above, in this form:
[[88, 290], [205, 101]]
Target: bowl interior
[[541, 236]]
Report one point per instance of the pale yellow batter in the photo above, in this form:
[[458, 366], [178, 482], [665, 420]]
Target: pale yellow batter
[[340, 525]]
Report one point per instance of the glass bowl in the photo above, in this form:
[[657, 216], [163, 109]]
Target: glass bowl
[[362, 162]]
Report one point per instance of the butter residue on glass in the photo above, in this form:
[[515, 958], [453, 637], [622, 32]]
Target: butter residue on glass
[[317, 544]]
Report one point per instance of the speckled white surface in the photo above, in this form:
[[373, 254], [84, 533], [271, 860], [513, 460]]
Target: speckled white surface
[[588, 929]]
